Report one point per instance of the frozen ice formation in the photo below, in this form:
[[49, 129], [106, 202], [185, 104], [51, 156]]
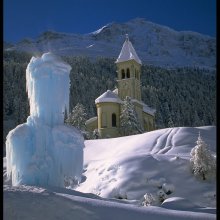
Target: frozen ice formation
[[44, 151]]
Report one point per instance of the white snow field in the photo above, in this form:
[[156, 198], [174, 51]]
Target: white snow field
[[118, 172]]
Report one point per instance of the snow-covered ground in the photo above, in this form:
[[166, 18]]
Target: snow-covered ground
[[118, 172]]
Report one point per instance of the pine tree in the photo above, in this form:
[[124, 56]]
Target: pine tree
[[170, 122], [203, 164], [77, 117], [129, 121]]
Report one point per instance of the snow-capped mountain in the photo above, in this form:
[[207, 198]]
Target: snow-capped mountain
[[155, 44]]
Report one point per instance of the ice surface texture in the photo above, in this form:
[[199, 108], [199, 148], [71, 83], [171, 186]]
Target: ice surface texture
[[44, 151], [47, 83]]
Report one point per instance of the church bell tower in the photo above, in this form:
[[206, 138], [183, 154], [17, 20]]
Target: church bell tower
[[129, 72]]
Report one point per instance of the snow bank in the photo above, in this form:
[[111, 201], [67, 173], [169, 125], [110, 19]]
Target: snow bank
[[178, 203], [123, 170], [36, 203], [43, 151]]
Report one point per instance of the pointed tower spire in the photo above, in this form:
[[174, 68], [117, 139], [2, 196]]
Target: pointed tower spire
[[128, 52]]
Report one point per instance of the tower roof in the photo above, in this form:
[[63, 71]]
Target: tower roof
[[108, 96], [128, 52]]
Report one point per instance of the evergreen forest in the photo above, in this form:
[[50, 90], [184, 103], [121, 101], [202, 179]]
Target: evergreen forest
[[182, 96]]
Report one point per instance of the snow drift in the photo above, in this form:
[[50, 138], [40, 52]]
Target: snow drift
[[43, 151], [122, 170], [154, 162]]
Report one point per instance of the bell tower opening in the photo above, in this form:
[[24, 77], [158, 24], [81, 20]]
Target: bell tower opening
[[122, 73], [128, 73]]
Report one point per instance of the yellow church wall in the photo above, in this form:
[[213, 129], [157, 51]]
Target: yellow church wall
[[149, 123], [132, 65], [105, 113], [92, 124], [129, 83]]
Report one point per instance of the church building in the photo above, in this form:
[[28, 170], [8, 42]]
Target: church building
[[128, 84]]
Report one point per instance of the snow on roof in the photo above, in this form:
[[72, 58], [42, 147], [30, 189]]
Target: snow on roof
[[115, 91], [149, 110], [108, 96], [91, 120], [128, 52], [146, 108]]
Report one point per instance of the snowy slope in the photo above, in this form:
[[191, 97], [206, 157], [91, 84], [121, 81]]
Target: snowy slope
[[134, 165], [154, 44], [37, 203], [125, 167]]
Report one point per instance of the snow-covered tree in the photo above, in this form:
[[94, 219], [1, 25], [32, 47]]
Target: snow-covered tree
[[203, 164], [77, 117], [149, 199], [161, 195], [170, 122], [129, 121]]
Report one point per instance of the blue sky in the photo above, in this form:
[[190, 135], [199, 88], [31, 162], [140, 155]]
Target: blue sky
[[29, 18]]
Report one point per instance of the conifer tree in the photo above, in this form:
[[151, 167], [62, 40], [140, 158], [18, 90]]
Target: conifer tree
[[129, 121], [77, 117], [203, 164]]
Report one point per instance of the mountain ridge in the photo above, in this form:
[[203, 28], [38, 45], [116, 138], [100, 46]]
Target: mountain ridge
[[155, 44]]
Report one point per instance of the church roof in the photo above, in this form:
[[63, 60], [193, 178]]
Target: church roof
[[146, 108], [128, 52], [92, 120], [108, 96], [111, 96]]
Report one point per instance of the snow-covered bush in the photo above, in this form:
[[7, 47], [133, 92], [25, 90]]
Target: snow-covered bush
[[157, 199], [203, 164], [149, 200], [161, 195]]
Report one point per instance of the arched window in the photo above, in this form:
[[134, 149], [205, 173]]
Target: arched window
[[128, 73], [122, 73], [113, 120]]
